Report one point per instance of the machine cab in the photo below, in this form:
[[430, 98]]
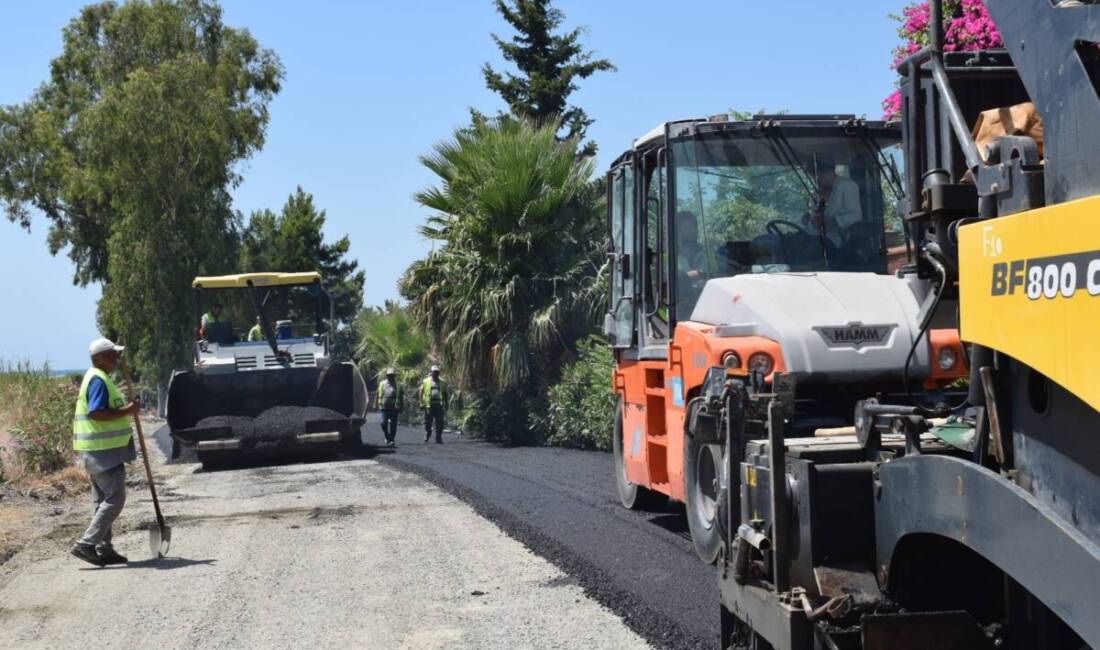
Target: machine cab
[[703, 199], [261, 321]]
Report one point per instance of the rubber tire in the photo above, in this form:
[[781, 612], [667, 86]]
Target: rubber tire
[[633, 497], [706, 532]]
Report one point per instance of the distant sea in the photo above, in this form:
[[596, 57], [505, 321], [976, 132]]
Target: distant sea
[[62, 373]]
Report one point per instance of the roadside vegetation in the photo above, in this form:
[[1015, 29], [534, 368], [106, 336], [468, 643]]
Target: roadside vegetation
[[36, 415], [515, 280], [517, 277], [581, 409]]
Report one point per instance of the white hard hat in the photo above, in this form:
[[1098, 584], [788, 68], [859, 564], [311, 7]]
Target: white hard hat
[[100, 346], [435, 368], [390, 371]]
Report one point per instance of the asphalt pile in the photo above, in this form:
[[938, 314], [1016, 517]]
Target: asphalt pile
[[274, 423]]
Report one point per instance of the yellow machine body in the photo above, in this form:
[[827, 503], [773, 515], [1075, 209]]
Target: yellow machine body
[[1030, 287]]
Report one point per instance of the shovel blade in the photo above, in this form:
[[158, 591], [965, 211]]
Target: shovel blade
[[165, 540], [160, 538]]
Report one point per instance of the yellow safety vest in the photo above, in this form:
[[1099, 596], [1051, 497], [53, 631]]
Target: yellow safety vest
[[426, 400], [256, 333], [398, 395], [93, 435]]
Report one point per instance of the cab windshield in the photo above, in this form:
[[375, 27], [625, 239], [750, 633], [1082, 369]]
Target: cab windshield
[[230, 316], [775, 204]]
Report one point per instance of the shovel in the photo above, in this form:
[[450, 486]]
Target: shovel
[[160, 536]]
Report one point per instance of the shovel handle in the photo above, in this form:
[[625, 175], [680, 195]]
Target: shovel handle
[[141, 440]]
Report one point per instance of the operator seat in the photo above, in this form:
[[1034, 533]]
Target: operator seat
[[220, 333]]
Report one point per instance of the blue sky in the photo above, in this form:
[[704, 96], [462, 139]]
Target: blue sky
[[372, 85]]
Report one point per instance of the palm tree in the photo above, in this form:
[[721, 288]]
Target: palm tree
[[388, 337], [517, 277]]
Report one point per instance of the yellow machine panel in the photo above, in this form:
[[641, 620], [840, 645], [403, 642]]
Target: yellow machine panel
[[1030, 287]]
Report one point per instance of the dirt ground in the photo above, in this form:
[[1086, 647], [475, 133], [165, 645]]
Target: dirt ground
[[345, 552], [32, 508], [35, 507]]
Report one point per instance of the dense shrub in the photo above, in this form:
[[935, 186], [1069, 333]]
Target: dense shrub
[[39, 410], [510, 416], [578, 411], [582, 405]]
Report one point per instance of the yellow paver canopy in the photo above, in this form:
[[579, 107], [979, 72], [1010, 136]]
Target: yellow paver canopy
[[244, 280]]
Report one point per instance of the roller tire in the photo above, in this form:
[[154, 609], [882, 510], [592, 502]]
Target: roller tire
[[702, 464], [632, 496]]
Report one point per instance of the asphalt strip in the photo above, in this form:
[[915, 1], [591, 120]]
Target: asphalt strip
[[656, 628]]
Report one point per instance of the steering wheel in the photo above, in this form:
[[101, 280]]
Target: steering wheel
[[773, 227]]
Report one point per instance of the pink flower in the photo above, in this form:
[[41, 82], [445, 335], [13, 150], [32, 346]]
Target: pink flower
[[967, 26]]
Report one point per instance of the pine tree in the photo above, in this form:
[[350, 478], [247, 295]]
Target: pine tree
[[293, 240], [549, 65]]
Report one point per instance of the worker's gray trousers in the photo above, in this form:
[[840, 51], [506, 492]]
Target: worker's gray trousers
[[109, 495]]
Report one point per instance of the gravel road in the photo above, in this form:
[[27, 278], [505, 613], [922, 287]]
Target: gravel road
[[347, 553], [562, 504]]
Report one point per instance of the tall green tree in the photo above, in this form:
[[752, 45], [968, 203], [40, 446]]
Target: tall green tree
[[293, 240], [549, 64], [517, 277], [129, 150]]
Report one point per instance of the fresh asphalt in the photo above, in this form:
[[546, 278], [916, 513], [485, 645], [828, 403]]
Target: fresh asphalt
[[562, 504]]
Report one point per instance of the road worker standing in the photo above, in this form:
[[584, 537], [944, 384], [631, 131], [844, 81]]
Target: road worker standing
[[433, 399], [391, 401], [102, 432]]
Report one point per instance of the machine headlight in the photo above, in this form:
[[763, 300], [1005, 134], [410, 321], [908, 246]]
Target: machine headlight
[[946, 358], [761, 362], [731, 361]]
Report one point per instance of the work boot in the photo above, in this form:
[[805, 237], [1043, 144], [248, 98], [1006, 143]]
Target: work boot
[[110, 556], [87, 553]]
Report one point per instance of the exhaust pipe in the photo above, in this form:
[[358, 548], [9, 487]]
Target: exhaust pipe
[[223, 444]]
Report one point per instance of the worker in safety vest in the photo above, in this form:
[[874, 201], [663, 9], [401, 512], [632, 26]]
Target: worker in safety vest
[[103, 434], [257, 332], [213, 316], [391, 401], [433, 399]]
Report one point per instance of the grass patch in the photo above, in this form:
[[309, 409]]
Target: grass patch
[[36, 415]]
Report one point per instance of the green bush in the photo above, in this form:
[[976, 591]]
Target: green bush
[[582, 405], [39, 408], [510, 416]]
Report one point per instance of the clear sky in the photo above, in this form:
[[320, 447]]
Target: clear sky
[[371, 85]]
